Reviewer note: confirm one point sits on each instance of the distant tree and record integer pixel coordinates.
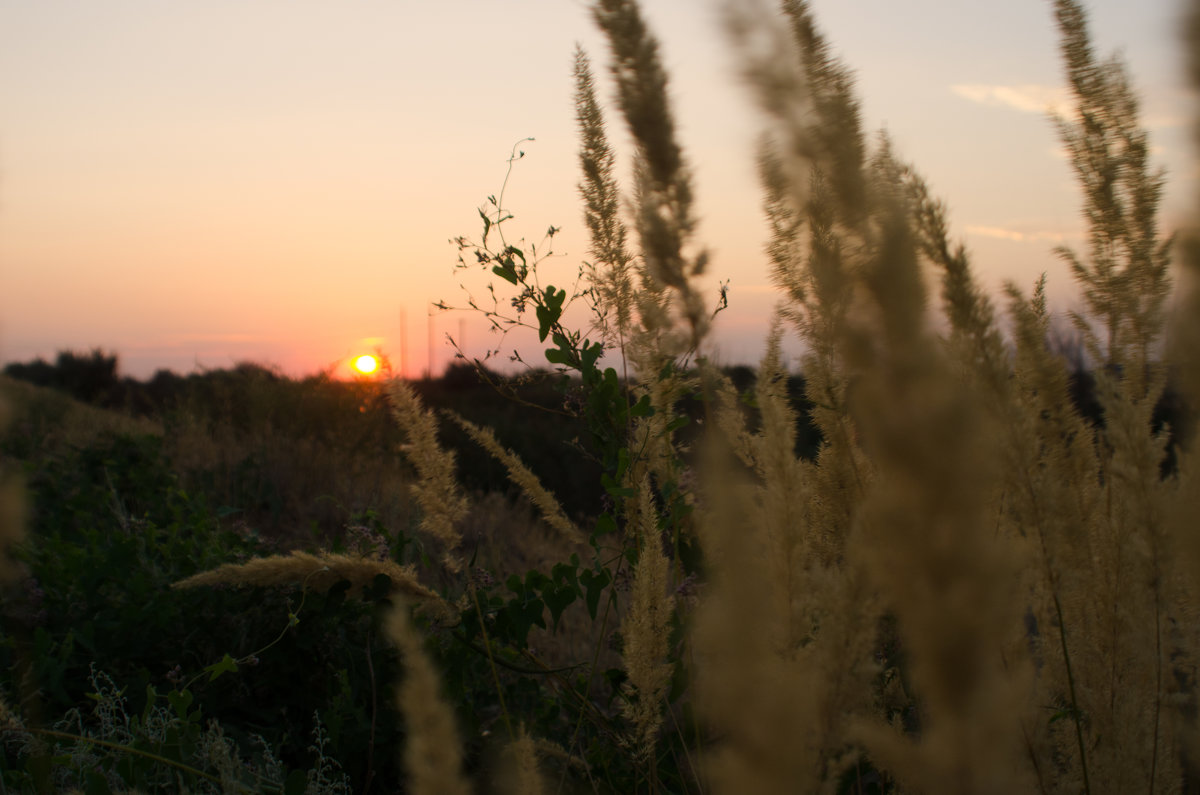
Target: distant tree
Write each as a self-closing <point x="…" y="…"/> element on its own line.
<point x="164" y="387"/>
<point x="38" y="372"/>
<point x="91" y="377"/>
<point x="461" y="375"/>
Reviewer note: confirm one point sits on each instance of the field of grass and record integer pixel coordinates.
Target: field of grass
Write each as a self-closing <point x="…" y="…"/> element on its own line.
<point x="227" y="466"/>
<point x="939" y="561"/>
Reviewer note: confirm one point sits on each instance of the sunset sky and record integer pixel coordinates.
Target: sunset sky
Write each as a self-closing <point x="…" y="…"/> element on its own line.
<point x="199" y="183"/>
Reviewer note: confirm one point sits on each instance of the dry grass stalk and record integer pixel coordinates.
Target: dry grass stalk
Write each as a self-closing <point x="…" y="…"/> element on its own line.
<point x="611" y="274"/>
<point x="764" y="713"/>
<point x="320" y="572"/>
<point x="519" y="773"/>
<point x="646" y="630"/>
<point x="928" y="542"/>
<point x="432" y="754"/>
<point x="437" y="490"/>
<point x="1125" y="279"/>
<point x="523" y="477"/>
<point x="814" y="616"/>
<point x="1022" y="552"/>
<point x="1185" y="349"/>
<point x="663" y="196"/>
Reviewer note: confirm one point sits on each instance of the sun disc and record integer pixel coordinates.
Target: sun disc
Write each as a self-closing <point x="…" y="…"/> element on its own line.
<point x="366" y="364"/>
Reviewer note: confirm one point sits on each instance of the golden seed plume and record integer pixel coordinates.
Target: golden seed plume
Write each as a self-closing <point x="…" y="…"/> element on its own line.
<point x="432" y="752"/>
<point x="522" y="476"/>
<point x="611" y="272"/>
<point x="663" y="194"/>
<point x="320" y="572"/>
<point x="436" y="489"/>
<point x="519" y="773"/>
<point x="646" y="630"/>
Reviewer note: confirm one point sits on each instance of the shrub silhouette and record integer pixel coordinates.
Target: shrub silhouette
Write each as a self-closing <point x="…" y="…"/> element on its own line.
<point x="90" y="377"/>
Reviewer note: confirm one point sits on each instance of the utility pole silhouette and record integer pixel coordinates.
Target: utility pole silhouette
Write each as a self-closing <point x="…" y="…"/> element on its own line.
<point x="429" y="342"/>
<point x="403" y="344"/>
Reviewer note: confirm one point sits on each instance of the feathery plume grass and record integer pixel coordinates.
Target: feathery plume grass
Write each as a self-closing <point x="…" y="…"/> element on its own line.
<point x="1185" y="344"/>
<point x="432" y="751"/>
<point x="611" y="272"/>
<point x="1051" y="500"/>
<point x="646" y="630"/>
<point x="519" y="774"/>
<point x="927" y="542"/>
<point x="975" y="340"/>
<point x="742" y="688"/>
<point x="321" y="572"/>
<point x="814" y="616"/>
<point x="437" y="491"/>
<point x="810" y="163"/>
<point x="664" y="217"/>
<point x="1090" y="499"/>
<point x="1126" y="281"/>
<point x="521" y="476"/>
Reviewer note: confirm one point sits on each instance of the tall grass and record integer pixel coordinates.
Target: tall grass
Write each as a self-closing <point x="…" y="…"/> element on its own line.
<point x="970" y="587"/>
<point x="960" y="508"/>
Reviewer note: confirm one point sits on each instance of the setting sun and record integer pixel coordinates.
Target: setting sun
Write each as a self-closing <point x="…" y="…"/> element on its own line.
<point x="366" y="364"/>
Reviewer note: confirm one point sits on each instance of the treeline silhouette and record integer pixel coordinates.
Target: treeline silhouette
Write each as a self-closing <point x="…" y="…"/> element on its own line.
<point x="265" y="410"/>
<point x="480" y="395"/>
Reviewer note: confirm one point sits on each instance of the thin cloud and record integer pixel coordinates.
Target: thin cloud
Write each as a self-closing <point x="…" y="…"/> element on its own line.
<point x="1040" y="99"/>
<point x="189" y="338"/>
<point x="1016" y="236"/>
<point x="1025" y="98"/>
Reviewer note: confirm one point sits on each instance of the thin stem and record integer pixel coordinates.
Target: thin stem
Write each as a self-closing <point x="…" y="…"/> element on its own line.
<point x="293" y="620"/>
<point x="487" y="647"/>
<point x="458" y="636"/>
<point x="1062" y="633"/>
<point x="162" y="760"/>
<point x="371" y="739"/>
<point x="608" y="603"/>
<point x="1037" y="769"/>
<point x="512" y="158"/>
<point x="1157" y="682"/>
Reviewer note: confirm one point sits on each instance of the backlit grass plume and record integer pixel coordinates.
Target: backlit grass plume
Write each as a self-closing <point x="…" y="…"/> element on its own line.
<point x="612" y="270"/>
<point x="519" y="774"/>
<point x="1185" y="343"/>
<point x="522" y="477"/>
<point x="647" y="630"/>
<point x="319" y="572"/>
<point x="664" y="215"/>
<point x="928" y="537"/>
<point x="431" y="751"/>
<point x="441" y="500"/>
<point x="1125" y="278"/>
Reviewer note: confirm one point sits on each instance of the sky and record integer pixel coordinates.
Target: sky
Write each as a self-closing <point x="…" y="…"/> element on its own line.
<point x="194" y="184"/>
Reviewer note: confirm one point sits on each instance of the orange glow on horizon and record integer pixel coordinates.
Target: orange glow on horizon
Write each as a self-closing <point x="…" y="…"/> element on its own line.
<point x="366" y="364"/>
